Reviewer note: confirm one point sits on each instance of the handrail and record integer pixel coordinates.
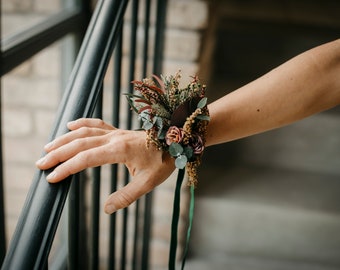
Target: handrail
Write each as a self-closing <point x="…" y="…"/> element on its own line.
<point x="38" y="221"/>
<point x="18" y="48"/>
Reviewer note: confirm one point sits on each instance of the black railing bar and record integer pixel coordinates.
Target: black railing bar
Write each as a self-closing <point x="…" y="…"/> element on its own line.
<point x="23" y="45"/>
<point x="95" y="198"/>
<point x="95" y="219"/>
<point x="159" y="36"/>
<point x="60" y="259"/>
<point x="145" y="240"/>
<point x="73" y="223"/>
<point x="39" y="218"/>
<point x="146" y="38"/>
<point x="133" y="48"/>
<point x="157" y="69"/>
<point x="135" y="259"/>
<point x="96" y="39"/>
<point x="131" y="75"/>
<point x="145" y="53"/>
<point x="117" y="77"/>
<point x="77" y="240"/>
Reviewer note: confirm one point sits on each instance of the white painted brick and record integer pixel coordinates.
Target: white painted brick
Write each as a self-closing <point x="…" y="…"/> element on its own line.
<point x="16" y="5"/>
<point x="182" y="45"/>
<point x="43" y="122"/>
<point x="17" y="122"/>
<point x="47" y="62"/>
<point x="187" y="14"/>
<point x="188" y="69"/>
<point x="47" y="6"/>
<point x="12" y="23"/>
<point x="18" y="176"/>
<point x="19" y="91"/>
<point x="22" y="150"/>
<point x="23" y="70"/>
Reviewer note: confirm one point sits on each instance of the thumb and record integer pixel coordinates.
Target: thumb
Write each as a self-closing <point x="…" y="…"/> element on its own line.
<point x="127" y="195"/>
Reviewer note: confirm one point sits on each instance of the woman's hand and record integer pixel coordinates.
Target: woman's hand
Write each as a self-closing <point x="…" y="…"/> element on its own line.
<point x="92" y="142"/>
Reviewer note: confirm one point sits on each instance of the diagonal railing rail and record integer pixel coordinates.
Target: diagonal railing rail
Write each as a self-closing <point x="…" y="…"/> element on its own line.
<point x="38" y="222"/>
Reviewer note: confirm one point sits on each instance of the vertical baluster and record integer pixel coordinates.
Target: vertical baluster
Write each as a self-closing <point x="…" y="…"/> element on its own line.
<point x="115" y="121"/>
<point x="133" y="38"/>
<point x="95" y="214"/>
<point x="77" y="224"/>
<point x="144" y="252"/>
<point x="159" y="36"/>
<point x="73" y="223"/>
<point x="157" y="68"/>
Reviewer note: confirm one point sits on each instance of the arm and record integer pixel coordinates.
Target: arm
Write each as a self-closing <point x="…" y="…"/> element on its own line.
<point x="305" y="85"/>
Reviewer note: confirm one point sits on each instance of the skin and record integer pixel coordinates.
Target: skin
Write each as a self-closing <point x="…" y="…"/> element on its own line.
<point x="305" y="85"/>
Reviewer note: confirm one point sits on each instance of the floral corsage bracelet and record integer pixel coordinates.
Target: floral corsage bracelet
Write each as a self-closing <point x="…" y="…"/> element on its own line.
<point x="174" y="119"/>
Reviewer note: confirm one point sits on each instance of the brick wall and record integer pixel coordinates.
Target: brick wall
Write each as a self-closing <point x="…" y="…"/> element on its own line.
<point x="31" y="93"/>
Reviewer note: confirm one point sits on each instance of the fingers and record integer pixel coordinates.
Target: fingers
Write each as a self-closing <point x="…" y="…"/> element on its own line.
<point x="82" y="132"/>
<point x="81" y="128"/>
<point x="92" y="157"/>
<point x="69" y="150"/>
<point x="89" y="122"/>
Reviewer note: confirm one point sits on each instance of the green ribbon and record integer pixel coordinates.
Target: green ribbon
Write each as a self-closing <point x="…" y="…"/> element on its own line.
<point x="175" y="219"/>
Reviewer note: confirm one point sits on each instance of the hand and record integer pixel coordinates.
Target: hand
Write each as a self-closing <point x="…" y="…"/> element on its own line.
<point x="92" y="142"/>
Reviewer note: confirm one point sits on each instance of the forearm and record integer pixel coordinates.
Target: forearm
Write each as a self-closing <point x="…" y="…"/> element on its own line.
<point x="305" y="85"/>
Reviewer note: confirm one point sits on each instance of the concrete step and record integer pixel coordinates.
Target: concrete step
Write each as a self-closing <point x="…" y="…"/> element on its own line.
<point x="268" y="214"/>
<point x="270" y="185"/>
<point x="228" y="227"/>
<point x="248" y="263"/>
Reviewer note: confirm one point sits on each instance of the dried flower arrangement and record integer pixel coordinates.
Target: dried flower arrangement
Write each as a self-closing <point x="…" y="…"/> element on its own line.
<point x="174" y="119"/>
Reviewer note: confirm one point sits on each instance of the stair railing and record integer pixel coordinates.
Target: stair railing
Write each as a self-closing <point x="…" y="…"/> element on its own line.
<point x="38" y="222"/>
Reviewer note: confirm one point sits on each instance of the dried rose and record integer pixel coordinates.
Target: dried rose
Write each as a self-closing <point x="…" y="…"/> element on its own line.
<point x="196" y="143"/>
<point x="174" y="135"/>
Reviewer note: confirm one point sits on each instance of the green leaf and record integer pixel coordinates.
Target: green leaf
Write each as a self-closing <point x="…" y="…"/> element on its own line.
<point x="131" y="104"/>
<point x="134" y="96"/>
<point x="203" y="117"/>
<point x="158" y="121"/>
<point x="147" y="125"/>
<point x="188" y="152"/>
<point x="181" y="161"/>
<point x="161" y="134"/>
<point x="202" y="103"/>
<point x="175" y="149"/>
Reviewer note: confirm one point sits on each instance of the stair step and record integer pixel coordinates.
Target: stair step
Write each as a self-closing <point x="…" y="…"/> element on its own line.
<point x="273" y="186"/>
<point x="246" y="263"/>
<point x="225" y="227"/>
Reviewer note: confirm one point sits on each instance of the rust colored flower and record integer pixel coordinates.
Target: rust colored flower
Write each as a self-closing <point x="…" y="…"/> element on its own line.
<point x="174" y="135"/>
<point x="197" y="144"/>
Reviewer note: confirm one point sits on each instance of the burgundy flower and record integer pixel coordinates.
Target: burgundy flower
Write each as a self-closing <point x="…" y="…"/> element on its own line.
<point x="196" y="143"/>
<point x="174" y="135"/>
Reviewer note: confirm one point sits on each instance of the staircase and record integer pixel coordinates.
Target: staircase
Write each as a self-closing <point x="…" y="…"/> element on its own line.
<point x="269" y="202"/>
<point x="278" y="210"/>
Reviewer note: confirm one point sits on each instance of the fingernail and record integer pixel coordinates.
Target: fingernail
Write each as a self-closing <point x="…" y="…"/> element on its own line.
<point x="49" y="145"/>
<point x="51" y="176"/>
<point x="40" y="161"/>
<point x="70" y="123"/>
<point x="110" y="209"/>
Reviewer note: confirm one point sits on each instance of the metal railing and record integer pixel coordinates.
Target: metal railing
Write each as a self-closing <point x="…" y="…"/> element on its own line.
<point x="38" y="222"/>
